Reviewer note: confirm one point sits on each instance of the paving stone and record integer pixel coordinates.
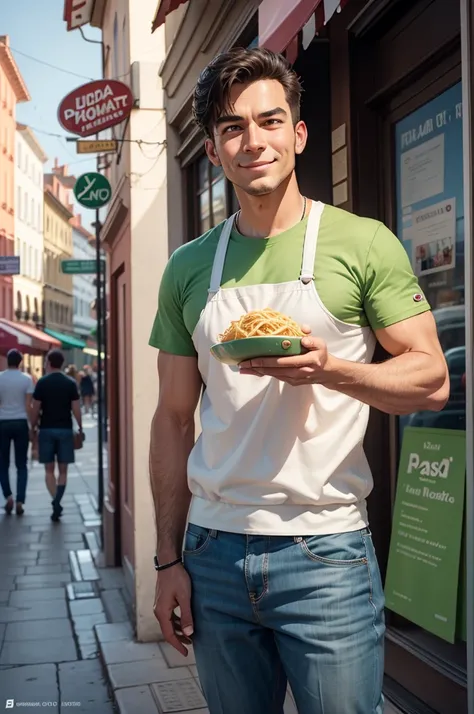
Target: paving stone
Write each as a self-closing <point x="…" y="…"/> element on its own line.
<point x="60" y="557"/>
<point x="130" y="674"/>
<point x="92" y="606"/>
<point x="38" y="630"/>
<point x="174" y="658"/>
<point x="21" y="560"/>
<point x="45" y="610"/>
<point x="111" y="578"/>
<point x="21" y="538"/>
<point x="136" y="699"/>
<point x="4" y="596"/>
<point x="86" y="564"/>
<point x="114" y="632"/>
<point x="36" y="683"/>
<point x="2" y="634"/>
<point x="86" y="637"/>
<point x="38" y="581"/>
<point x="39" y="651"/>
<point x="8" y="582"/>
<point x="114" y="606"/>
<point x="81" y="590"/>
<point x="20" y="597"/>
<point x="84" y="682"/>
<point x="12" y="570"/>
<point x="179" y="696"/>
<point x="89" y="651"/>
<point x="116" y="652"/>
<point x="43" y="569"/>
<point x="87" y="622"/>
<point x="194" y="671"/>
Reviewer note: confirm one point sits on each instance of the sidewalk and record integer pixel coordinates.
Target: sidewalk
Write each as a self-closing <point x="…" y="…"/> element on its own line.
<point x="50" y="597"/>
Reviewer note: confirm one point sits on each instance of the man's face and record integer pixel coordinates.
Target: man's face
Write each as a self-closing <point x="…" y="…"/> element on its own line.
<point x="256" y="144"/>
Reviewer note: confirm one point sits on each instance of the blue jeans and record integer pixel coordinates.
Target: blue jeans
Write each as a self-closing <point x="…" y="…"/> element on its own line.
<point x="269" y="610"/>
<point x="15" y="430"/>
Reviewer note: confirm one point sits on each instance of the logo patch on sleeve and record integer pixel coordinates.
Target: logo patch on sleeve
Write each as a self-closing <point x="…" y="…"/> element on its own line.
<point x="418" y="297"/>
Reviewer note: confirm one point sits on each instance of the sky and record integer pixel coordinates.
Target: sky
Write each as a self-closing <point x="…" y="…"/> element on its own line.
<point x="36" y="28"/>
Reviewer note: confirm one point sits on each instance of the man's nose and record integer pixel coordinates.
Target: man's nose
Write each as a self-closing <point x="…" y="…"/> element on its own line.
<point x="254" y="139"/>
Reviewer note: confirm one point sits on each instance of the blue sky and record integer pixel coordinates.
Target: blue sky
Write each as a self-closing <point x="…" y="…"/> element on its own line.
<point x="36" y="27"/>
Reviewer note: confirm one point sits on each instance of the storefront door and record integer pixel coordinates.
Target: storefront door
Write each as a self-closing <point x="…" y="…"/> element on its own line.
<point x="408" y="92"/>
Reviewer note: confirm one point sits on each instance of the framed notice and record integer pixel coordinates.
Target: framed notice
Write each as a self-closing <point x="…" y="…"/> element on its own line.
<point x="423" y="570"/>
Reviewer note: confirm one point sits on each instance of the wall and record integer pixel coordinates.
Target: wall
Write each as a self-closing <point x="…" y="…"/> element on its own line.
<point x="57" y="294"/>
<point x="7" y="185"/>
<point x="84" y="291"/>
<point x="149" y="254"/>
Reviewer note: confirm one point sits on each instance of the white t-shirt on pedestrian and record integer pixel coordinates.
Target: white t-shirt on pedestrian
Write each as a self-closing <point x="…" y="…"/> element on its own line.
<point x="14" y="386"/>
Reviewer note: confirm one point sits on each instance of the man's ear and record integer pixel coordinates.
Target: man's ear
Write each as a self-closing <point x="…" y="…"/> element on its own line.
<point x="301" y="137"/>
<point x="211" y="152"/>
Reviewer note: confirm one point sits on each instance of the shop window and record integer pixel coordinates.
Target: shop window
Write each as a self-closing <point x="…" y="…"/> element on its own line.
<point x="214" y="196"/>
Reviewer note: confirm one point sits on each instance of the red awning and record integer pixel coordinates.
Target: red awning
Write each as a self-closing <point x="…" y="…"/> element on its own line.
<point x="164" y="8"/>
<point x="280" y="21"/>
<point x="28" y="339"/>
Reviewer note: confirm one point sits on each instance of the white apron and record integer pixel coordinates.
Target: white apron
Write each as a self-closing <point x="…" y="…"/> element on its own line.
<point x="272" y="458"/>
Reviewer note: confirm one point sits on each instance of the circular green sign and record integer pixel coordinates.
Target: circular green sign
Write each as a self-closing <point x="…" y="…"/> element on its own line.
<point x="92" y="190"/>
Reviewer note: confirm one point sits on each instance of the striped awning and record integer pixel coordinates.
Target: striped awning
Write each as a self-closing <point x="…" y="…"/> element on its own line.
<point x="284" y="24"/>
<point x="28" y="339"/>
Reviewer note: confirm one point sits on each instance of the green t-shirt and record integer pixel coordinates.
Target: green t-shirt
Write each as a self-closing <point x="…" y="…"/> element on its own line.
<point x="362" y="274"/>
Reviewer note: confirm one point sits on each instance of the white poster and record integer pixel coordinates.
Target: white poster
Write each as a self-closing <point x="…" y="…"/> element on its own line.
<point x="422" y="171"/>
<point x="433" y="234"/>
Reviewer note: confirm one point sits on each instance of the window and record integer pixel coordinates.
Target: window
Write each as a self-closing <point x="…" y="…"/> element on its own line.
<point x="213" y="195"/>
<point x="26" y="164"/>
<point x="30" y="263"/>
<point x="32" y="217"/>
<point x="25" y="208"/>
<point x="115" y="48"/>
<point x="38" y="221"/>
<point x="18" y="201"/>
<point x="18" y="158"/>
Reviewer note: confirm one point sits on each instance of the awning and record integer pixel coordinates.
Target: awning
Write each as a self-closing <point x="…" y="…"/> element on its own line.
<point x="29" y="340"/>
<point x="280" y="21"/>
<point x="164" y="8"/>
<point x="68" y="342"/>
<point x="93" y="352"/>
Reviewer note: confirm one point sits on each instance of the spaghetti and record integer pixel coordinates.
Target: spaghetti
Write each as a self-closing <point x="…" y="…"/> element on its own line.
<point x="261" y="323"/>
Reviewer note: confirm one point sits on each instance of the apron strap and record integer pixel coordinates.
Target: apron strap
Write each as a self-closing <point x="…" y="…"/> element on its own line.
<point x="310" y="242"/>
<point x="219" y="258"/>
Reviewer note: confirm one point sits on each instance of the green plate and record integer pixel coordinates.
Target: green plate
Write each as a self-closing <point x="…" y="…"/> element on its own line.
<point x="236" y="351"/>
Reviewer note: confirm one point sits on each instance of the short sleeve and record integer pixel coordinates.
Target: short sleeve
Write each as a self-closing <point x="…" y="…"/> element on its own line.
<point x="38" y="392"/>
<point x="392" y="292"/>
<point x="31" y="387"/>
<point x="169" y="332"/>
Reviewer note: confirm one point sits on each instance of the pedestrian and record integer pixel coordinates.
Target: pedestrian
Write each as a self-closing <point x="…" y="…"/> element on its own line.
<point x="55" y="402"/>
<point x="87" y="388"/>
<point x="278" y="579"/>
<point x="16" y="389"/>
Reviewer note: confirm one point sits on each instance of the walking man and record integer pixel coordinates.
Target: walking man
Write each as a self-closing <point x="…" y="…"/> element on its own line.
<point x="278" y="579"/>
<point x="55" y="401"/>
<point x="16" y="389"/>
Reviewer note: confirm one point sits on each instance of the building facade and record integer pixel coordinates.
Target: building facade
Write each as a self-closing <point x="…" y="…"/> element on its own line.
<point x="57" y="291"/>
<point x="29" y="243"/>
<point x="12" y="91"/>
<point x="83" y="287"/>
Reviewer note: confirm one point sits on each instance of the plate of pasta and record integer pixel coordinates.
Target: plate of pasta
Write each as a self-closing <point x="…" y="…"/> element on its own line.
<point x="259" y="333"/>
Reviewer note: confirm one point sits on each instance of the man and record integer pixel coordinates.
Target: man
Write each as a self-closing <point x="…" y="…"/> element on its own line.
<point x="55" y="401"/>
<point x="280" y="580"/>
<point x="16" y="389"/>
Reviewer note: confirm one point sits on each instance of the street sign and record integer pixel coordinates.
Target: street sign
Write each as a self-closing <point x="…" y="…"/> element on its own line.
<point x="96" y="146"/>
<point x="76" y="267"/>
<point x="9" y="264"/>
<point x="78" y="13"/>
<point x="92" y="190"/>
<point x="95" y="106"/>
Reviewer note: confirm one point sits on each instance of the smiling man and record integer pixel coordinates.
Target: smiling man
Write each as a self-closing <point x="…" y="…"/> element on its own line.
<point x="278" y="580"/>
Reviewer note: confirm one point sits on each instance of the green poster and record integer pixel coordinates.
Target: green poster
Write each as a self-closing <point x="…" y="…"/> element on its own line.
<point x="423" y="566"/>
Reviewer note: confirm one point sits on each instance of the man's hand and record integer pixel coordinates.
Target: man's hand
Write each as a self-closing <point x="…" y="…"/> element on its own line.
<point x="173" y="589"/>
<point x="308" y="368"/>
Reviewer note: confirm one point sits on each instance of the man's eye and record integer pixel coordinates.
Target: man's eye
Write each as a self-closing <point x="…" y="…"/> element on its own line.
<point x="232" y="127"/>
<point x="273" y="121"/>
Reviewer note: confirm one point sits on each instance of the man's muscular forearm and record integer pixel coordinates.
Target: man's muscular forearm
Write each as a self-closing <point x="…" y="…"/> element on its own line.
<point x="171" y="444"/>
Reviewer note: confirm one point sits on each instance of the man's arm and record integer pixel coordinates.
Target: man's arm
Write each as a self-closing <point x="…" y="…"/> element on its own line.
<point x="172" y="438"/>
<point x="76" y="410"/>
<point x="34" y="413"/>
<point x="414" y="379"/>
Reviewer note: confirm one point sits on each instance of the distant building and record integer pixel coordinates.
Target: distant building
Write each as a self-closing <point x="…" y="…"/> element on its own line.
<point x="83" y="286"/>
<point x="29" y="242"/>
<point x="12" y="90"/>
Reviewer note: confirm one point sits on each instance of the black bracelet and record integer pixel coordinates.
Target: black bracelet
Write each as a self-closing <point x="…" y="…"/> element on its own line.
<point x="167" y="565"/>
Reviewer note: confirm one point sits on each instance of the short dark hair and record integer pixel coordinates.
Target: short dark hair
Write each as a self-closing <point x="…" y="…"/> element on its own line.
<point x="56" y="359"/>
<point x="241" y="66"/>
<point x="14" y="358"/>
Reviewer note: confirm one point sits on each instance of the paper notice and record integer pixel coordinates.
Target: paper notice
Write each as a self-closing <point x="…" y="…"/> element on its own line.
<point x="422" y="171"/>
<point x="433" y="234"/>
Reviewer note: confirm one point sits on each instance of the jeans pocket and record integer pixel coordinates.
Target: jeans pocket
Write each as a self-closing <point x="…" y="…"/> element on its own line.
<point x="337" y="549"/>
<point x="196" y="540"/>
